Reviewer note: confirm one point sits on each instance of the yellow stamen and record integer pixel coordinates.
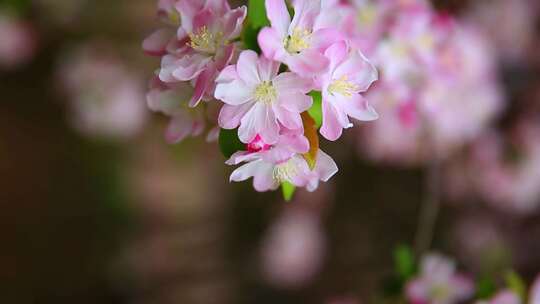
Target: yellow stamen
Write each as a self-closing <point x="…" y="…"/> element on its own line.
<point x="205" y="41"/>
<point x="265" y="93"/>
<point x="342" y="86"/>
<point x="284" y="172"/>
<point x="367" y="15"/>
<point x="297" y="41"/>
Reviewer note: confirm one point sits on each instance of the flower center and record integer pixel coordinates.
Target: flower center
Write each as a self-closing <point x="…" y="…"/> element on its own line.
<point x="367" y="16"/>
<point x="205" y="41"/>
<point x="297" y="41"/>
<point x="284" y="172"/>
<point x="439" y="292"/>
<point x="342" y="86"/>
<point x="265" y="92"/>
<point x="257" y="145"/>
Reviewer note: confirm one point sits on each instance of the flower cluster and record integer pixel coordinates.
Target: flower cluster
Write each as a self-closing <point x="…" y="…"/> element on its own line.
<point x="265" y="97"/>
<point x="502" y="169"/>
<point x="19" y="41"/>
<point x="437" y="89"/>
<point x="439" y="283"/>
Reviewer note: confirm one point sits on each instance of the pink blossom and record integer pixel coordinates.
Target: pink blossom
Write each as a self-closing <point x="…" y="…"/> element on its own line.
<point x="512" y="40"/>
<point x="283" y="162"/>
<point x="349" y="73"/>
<point x="504" y="297"/>
<point x="510" y="297"/>
<point x="294" y="248"/>
<point x="437" y="91"/>
<point x="202" y="46"/>
<point x="298" y="43"/>
<point x="172" y="100"/>
<point x="438" y="283"/>
<point x="507" y="182"/>
<point x="534" y="294"/>
<point x="257" y="98"/>
<point x="106" y="96"/>
<point x="19" y="42"/>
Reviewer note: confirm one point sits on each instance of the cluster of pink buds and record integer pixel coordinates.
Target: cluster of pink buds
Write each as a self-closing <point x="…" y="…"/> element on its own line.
<point x="309" y="74"/>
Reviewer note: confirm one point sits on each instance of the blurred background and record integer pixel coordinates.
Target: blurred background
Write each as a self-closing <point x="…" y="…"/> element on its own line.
<point x="98" y="208"/>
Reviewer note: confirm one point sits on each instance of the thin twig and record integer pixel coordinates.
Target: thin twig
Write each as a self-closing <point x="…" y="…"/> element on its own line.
<point x="429" y="210"/>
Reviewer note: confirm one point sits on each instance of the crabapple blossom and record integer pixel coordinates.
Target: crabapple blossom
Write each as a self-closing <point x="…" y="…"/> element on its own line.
<point x="298" y="43"/>
<point x="258" y="99"/>
<point x="510" y="297"/>
<point x="172" y="100"/>
<point x="438" y="283"/>
<point x="294" y="248"/>
<point x="349" y="73"/>
<point x="202" y="46"/>
<point x="503" y="297"/>
<point x="504" y="170"/>
<point x="19" y="41"/>
<point x="437" y="91"/>
<point x="106" y="99"/>
<point x="270" y="166"/>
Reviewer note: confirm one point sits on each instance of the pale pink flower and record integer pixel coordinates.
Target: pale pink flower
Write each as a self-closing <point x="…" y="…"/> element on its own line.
<point x="439" y="283"/>
<point x="172" y="100"/>
<point x="363" y="21"/>
<point x="297" y="43"/>
<point x="534" y="294"/>
<point x="106" y="96"/>
<point x="349" y="74"/>
<point x="270" y="166"/>
<point x="293" y="249"/>
<point x="504" y="297"/>
<point x="439" y="90"/>
<point x="511" y="41"/>
<point x="507" y="183"/>
<point x="510" y="297"/>
<point x="202" y="46"/>
<point x="19" y="42"/>
<point x="257" y="98"/>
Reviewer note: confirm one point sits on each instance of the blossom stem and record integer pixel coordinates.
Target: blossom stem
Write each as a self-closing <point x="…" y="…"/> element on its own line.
<point x="429" y="209"/>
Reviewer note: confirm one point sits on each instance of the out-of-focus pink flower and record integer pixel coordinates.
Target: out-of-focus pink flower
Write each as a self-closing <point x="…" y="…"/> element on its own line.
<point x="510" y="297"/>
<point x="349" y="74"/>
<point x="297" y="43"/>
<point x="172" y="100"/>
<point x="439" y="283"/>
<point x="19" y="42"/>
<point x="512" y="40"/>
<point x="257" y="98"/>
<point x="505" y="171"/>
<point x="534" y="294"/>
<point x="437" y="89"/>
<point x="270" y="166"/>
<point x="503" y="297"/>
<point x="294" y="249"/>
<point x="106" y="97"/>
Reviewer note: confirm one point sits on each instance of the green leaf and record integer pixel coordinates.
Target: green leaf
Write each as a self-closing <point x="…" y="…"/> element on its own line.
<point x="257" y="14"/>
<point x="485" y="288"/>
<point x="516" y="284"/>
<point x="229" y="142"/>
<point x="404" y="262"/>
<point x="249" y="38"/>
<point x="288" y="190"/>
<point x="316" y="109"/>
